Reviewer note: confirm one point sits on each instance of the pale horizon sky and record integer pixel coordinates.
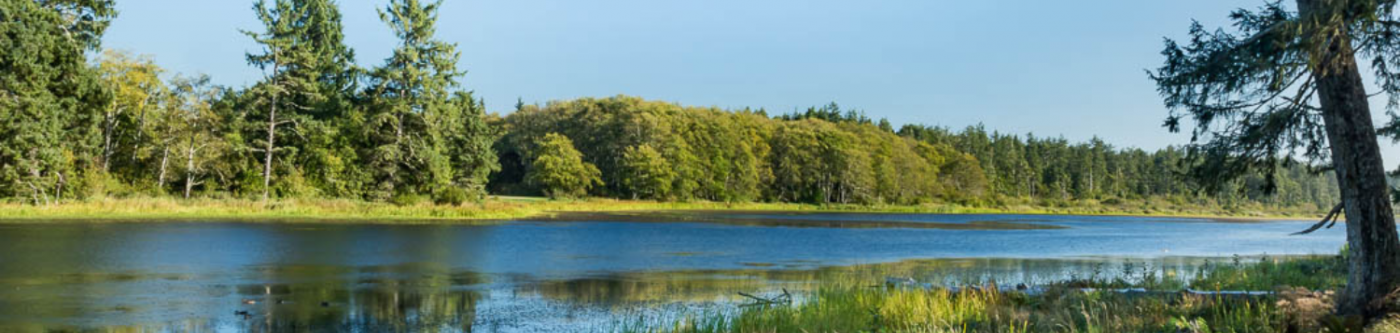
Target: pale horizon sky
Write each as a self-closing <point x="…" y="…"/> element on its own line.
<point x="1054" y="68"/>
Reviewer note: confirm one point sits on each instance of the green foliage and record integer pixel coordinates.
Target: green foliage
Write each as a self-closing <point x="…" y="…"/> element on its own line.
<point x="559" y="169"/>
<point x="831" y="156"/>
<point x="646" y="173"/>
<point x="308" y="129"/>
<point x="1316" y="273"/>
<point x="280" y="100"/>
<point x="50" y="99"/>
<point x="851" y="305"/>
<point x="453" y="196"/>
<point x="844" y="308"/>
<point x="422" y="138"/>
<point x="718" y="155"/>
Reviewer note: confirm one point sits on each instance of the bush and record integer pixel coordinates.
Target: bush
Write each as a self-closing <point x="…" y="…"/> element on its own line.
<point x="406" y="199"/>
<point x="454" y="196"/>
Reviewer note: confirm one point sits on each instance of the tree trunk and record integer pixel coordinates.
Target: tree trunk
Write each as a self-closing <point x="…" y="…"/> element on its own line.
<point x="267" y="157"/>
<point x="164" y="160"/>
<point x="189" y="170"/>
<point x="1371" y="234"/>
<point x="109" y="125"/>
<point x="271" y="136"/>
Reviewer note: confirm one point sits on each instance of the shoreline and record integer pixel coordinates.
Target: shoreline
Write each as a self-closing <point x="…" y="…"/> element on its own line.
<point x="504" y="209"/>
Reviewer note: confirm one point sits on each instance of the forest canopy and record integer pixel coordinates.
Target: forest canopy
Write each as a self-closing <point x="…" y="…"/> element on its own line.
<point x="81" y="122"/>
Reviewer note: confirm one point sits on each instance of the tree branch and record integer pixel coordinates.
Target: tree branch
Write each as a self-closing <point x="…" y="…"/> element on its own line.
<point x="1331" y="217"/>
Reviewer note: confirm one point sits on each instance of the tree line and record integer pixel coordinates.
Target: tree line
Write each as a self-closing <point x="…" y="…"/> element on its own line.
<point x="317" y="125"/>
<point x="658" y="150"/>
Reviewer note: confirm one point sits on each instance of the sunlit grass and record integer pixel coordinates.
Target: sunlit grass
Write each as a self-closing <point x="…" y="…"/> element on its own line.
<point x="504" y="208"/>
<point x="852" y="306"/>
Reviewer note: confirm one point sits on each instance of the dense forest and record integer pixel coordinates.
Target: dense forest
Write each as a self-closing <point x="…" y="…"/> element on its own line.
<point x="80" y="122"/>
<point x="657" y="150"/>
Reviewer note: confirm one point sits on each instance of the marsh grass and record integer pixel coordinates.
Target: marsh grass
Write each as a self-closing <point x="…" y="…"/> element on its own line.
<point x="1312" y="272"/>
<point x="853" y="306"/>
<point x="506" y="208"/>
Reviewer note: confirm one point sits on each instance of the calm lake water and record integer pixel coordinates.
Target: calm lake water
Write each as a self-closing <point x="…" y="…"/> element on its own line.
<point x="581" y="273"/>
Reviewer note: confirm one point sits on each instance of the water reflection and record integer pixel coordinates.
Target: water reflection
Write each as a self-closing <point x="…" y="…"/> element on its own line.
<point x="548" y="276"/>
<point x="426" y="303"/>
<point x="432" y="298"/>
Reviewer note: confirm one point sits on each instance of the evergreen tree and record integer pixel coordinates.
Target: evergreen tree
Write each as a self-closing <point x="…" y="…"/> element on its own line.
<point x="468" y="139"/>
<point x="1287" y="83"/>
<point x="409" y="101"/>
<point x="50" y="99"/>
<point x="288" y="89"/>
<point x="331" y="131"/>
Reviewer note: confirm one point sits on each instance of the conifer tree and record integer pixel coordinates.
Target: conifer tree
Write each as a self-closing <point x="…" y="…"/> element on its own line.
<point x="409" y="105"/>
<point x="50" y="99"/>
<point x="1287" y="83"/>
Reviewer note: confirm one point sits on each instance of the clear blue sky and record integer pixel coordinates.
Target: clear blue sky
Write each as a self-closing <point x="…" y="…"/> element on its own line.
<point x="1071" y="68"/>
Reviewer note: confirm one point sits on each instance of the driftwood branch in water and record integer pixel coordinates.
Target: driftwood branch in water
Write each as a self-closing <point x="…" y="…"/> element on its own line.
<point x="1331" y="217"/>
<point x="785" y="298"/>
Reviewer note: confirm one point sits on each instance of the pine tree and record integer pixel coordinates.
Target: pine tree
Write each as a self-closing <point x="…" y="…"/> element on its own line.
<point x="1287" y="83"/>
<point x="409" y="99"/>
<point x="50" y="99"/>
<point x="284" y="95"/>
<point x="331" y="132"/>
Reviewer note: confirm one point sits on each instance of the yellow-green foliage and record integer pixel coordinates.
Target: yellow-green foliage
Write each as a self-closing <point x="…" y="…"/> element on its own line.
<point x="863" y="309"/>
<point x="495" y="208"/>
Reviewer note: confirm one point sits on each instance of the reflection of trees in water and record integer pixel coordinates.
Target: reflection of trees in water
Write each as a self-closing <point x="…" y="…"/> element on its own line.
<point x="644" y="287"/>
<point x="718" y="285"/>
<point x="393" y="298"/>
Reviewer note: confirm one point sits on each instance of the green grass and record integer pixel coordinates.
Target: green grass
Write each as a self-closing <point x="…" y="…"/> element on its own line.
<point x="852" y="306"/>
<point x="505" y="208"/>
<point x="1315" y="273"/>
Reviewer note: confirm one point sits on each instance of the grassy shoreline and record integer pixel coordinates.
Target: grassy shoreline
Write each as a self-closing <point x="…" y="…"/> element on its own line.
<point x="499" y="209"/>
<point x="1299" y="298"/>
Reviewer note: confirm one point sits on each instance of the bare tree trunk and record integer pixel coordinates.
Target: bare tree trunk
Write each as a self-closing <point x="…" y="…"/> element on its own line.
<point x="38" y="191"/>
<point x="271" y="137"/>
<point x="164" y="161"/>
<point x="1371" y="234"/>
<point x="109" y="126"/>
<point x="189" y="170"/>
<point x="267" y="157"/>
<point x="140" y="128"/>
<point x="58" y="191"/>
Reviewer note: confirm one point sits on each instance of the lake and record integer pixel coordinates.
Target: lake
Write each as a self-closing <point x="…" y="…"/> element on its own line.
<point x="574" y="272"/>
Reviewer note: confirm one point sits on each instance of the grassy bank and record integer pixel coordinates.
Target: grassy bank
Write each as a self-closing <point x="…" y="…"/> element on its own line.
<point x="505" y="208"/>
<point x="1302" y="302"/>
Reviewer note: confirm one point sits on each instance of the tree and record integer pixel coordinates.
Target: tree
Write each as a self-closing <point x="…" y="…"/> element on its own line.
<point x="50" y="99"/>
<point x="330" y="132"/>
<point x="409" y="103"/>
<point x="469" y="140"/>
<point x="136" y="87"/>
<point x="284" y="88"/>
<point x="559" y="168"/>
<point x="646" y="173"/>
<point x="1287" y="83"/>
<point x="197" y="127"/>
